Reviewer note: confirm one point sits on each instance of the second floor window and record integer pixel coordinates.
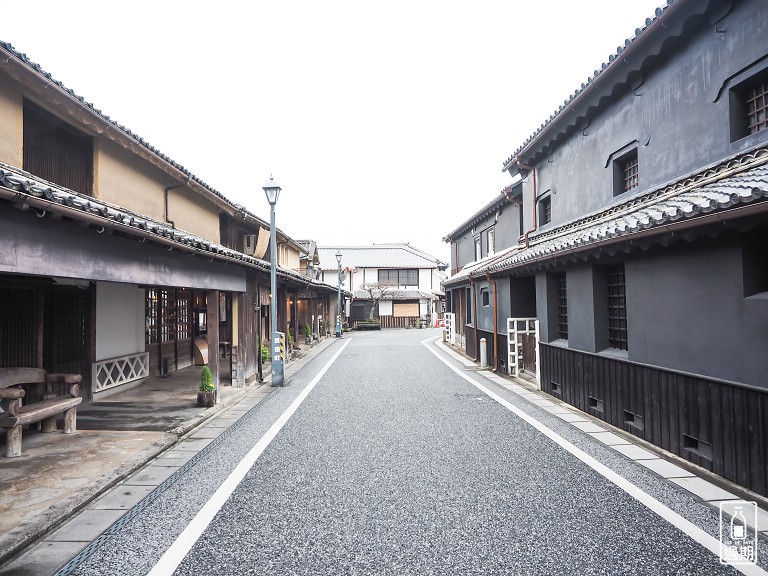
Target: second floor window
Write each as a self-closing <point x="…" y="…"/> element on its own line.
<point x="630" y="168"/>
<point x="626" y="173"/>
<point x="55" y="151"/>
<point x="491" y="241"/>
<point x="405" y="277"/>
<point x="757" y="107"/>
<point x="545" y="210"/>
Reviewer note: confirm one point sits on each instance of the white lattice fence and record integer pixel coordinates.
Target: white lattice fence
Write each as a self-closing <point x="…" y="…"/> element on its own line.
<point x="450" y="326"/>
<point x="515" y="328"/>
<point x="116" y="371"/>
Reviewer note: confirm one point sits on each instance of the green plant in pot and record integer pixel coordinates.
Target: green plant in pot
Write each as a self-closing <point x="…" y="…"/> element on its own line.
<point x="206" y="394"/>
<point x="308" y="333"/>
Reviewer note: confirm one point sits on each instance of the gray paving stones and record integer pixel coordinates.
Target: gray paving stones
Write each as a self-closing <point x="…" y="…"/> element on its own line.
<point x="729" y="507"/>
<point x="571" y="417"/>
<point x="86" y="526"/>
<point x="588" y="427"/>
<point x="609" y="438"/>
<point x="122" y="497"/>
<point x="634" y="452"/>
<point x="703" y="489"/>
<point x="665" y="468"/>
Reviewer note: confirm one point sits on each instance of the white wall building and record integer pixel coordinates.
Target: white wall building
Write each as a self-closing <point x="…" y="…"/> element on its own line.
<point x="414" y="275"/>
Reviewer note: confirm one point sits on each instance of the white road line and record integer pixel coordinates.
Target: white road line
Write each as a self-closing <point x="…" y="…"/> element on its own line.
<point x="689" y="528"/>
<point x="183" y="544"/>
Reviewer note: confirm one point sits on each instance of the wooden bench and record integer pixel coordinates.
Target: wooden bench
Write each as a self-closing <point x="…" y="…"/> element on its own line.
<point x="15" y="414"/>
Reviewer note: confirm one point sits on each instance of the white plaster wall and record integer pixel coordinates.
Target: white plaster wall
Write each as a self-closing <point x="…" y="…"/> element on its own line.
<point x="119" y="320"/>
<point x="423" y="308"/>
<point x="385" y="308"/>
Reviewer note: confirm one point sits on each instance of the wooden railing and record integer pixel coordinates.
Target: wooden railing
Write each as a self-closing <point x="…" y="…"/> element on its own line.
<point x="116" y="371"/>
<point x="720" y="426"/>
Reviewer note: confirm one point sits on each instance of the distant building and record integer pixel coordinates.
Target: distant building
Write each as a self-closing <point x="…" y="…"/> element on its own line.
<point x="410" y="277"/>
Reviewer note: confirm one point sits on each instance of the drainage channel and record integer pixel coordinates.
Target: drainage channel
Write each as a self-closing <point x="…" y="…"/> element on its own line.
<point x="84" y="554"/>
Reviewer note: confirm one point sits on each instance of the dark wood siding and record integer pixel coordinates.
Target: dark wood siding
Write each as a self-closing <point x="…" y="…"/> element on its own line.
<point x="720" y="426"/>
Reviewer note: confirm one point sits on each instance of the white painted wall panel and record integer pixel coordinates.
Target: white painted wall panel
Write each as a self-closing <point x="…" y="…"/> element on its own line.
<point x="119" y="320"/>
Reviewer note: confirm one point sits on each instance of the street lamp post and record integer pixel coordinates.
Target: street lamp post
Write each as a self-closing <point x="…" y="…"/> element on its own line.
<point x="272" y="190"/>
<point x="338" y="302"/>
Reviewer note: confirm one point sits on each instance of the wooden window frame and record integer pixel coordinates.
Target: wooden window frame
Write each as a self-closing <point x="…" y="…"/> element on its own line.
<point x="562" y="306"/>
<point x="616" y="290"/>
<point x="626" y="172"/>
<point x="757" y="106"/>
<point x="545" y="210"/>
<point x="56" y="151"/>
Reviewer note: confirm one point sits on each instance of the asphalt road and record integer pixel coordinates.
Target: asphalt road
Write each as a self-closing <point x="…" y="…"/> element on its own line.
<point x="395" y="464"/>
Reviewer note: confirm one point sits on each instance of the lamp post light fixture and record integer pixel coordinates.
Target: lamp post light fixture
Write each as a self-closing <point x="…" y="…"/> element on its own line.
<point x="338" y="302"/>
<point x="272" y="190"/>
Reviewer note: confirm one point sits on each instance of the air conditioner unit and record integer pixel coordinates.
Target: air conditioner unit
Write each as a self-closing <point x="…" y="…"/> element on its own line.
<point x="249" y="244"/>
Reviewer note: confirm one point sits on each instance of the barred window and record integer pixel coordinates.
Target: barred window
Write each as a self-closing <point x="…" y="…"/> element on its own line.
<point x="757" y="107"/>
<point x="545" y="210"/>
<point x="626" y="172"/>
<point x="55" y="151"/>
<point x="617" y="307"/>
<point x="630" y="172"/>
<point x="562" y="307"/>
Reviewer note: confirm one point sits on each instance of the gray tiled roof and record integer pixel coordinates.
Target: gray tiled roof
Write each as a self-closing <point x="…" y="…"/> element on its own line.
<point x="46" y="196"/>
<point x="733" y="184"/>
<point x="479" y="266"/>
<point x="81" y="102"/>
<point x="377" y="256"/>
<point x="400" y="294"/>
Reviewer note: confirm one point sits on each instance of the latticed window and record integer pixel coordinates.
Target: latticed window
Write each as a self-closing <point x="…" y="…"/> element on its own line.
<point x="168" y="315"/>
<point x="183" y="329"/>
<point x="407" y="277"/>
<point x="546" y="210"/>
<point x="151" y="316"/>
<point x="617" y="307"/>
<point x="631" y="176"/>
<point x="56" y="151"/>
<point x="757" y="107"/>
<point x="562" y="307"/>
<point x="491" y="241"/>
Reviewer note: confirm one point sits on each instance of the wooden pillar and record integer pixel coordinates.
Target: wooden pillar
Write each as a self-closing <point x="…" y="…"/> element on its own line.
<point x="213" y="338"/>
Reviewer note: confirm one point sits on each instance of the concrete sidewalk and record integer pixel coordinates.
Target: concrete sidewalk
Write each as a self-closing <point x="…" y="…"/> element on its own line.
<point x="58" y="475"/>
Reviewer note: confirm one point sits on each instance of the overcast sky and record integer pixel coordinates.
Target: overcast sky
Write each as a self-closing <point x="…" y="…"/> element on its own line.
<point x="382" y="121"/>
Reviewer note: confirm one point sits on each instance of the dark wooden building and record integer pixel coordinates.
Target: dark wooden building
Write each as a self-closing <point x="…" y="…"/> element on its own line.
<point x="645" y="233"/>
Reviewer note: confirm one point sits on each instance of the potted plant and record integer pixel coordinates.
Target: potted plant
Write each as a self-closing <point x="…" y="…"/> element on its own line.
<point x="308" y="334"/>
<point x="206" y="395"/>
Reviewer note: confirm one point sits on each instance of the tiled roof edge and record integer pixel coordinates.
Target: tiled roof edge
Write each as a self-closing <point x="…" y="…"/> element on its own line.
<point x="29" y="188"/>
<point x="35" y="67"/>
<point x="590" y="82"/>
